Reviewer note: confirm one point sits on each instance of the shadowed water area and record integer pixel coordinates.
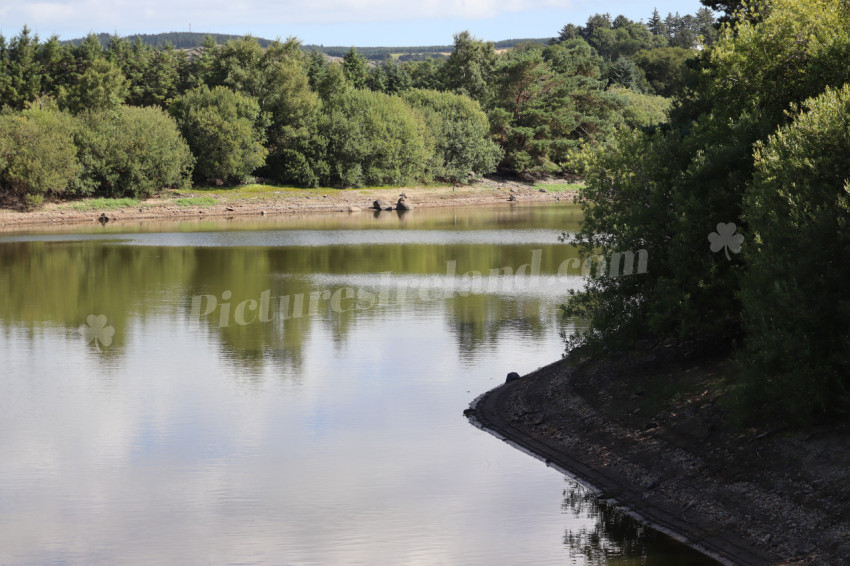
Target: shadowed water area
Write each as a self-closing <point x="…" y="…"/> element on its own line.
<point x="288" y="391"/>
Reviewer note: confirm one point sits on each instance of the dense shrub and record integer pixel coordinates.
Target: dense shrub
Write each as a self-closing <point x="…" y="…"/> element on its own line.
<point x="222" y="128"/>
<point x="372" y="139"/>
<point x="131" y="152"/>
<point x="460" y="132"/>
<point x="795" y="294"/>
<point x="664" y="68"/>
<point x="666" y="191"/>
<point x="37" y="152"/>
<point x="640" y="110"/>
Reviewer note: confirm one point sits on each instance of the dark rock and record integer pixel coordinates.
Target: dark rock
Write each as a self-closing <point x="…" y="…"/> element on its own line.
<point x="381" y="204"/>
<point x="402" y="204"/>
<point x="513" y="376"/>
<point x="512" y="198"/>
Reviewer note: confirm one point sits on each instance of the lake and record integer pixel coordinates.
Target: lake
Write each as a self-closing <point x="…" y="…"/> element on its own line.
<point x="288" y="391"/>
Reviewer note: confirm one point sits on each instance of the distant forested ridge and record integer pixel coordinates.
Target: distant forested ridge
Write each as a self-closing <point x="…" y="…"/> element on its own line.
<point x="194" y="40"/>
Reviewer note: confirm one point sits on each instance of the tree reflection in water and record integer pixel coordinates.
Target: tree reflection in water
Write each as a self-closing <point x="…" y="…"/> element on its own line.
<point x="615" y="538"/>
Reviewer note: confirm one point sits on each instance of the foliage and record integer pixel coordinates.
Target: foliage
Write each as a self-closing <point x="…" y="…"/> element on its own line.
<point x="665" y="190"/>
<point x="37" y="153"/>
<point x="355" y="68"/>
<point x="548" y="99"/>
<point x="641" y="110"/>
<point x="222" y="129"/>
<point x="131" y="152"/>
<point x="470" y="67"/>
<point x="371" y="139"/>
<point x="795" y="295"/>
<point x="101" y="87"/>
<point x="665" y="69"/>
<point x="459" y="130"/>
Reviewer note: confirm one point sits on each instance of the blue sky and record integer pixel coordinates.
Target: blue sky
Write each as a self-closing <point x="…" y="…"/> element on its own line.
<point x="327" y="22"/>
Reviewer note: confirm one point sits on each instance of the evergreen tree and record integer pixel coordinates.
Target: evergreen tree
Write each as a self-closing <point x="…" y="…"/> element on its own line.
<point x="656" y="24"/>
<point x="24" y="70"/>
<point x="469" y="68"/>
<point x="356" y="69"/>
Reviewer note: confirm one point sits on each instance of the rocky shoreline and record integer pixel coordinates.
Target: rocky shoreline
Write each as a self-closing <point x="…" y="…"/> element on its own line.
<point x="741" y="496"/>
<point x="166" y="206"/>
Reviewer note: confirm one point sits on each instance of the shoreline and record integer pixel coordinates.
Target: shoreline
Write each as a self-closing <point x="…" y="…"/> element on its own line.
<point x="272" y="201"/>
<point x="707" y="491"/>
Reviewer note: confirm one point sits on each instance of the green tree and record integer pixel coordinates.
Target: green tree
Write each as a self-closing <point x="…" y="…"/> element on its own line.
<point x="221" y="128"/>
<point x="640" y="110"/>
<point x="23" y="69"/>
<point x="101" y="87"/>
<point x="317" y="65"/>
<point x="355" y="67"/>
<point x="706" y="26"/>
<point x="377" y="79"/>
<point x="53" y="58"/>
<point x="462" y="147"/>
<point x="665" y="68"/>
<point x="398" y="79"/>
<point x="37" y="152"/>
<point x="469" y="69"/>
<point x="795" y="296"/>
<point x="292" y="121"/>
<point x="426" y="74"/>
<point x="372" y="139"/>
<point x="548" y="100"/>
<point x="199" y="66"/>
<point x="656" y="24"/>
<point x="665" y="190"/>
<point x="626" y="74"/>
<point x="131" y="152"/>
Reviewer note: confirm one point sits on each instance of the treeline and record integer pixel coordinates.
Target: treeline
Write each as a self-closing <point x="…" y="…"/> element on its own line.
<point x="230" y="111"/>
<point x="176" y="39"/>
<point x="753" y="160"/>
<point x="190" y="40"/>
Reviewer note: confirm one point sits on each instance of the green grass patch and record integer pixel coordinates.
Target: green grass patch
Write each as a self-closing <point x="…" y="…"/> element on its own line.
<point x="195" y="201"/>
<point x="561" y="187"/>
<point x="102" y="204"/>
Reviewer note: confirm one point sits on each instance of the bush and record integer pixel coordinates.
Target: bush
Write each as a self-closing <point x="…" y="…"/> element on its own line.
<point x="37" y="153"/>
<point x="665" y="68"/>
<point x="224" y="132"/>
<point x="372" y="139"/>
<point x="641" y="110"/>
<point x="32" y="202"/>
<point x="460" y="132"/>
<point x="131" y="152"/>
<point x="795" y="295"/>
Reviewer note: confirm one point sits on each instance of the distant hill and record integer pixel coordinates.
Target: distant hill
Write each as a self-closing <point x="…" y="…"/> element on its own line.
<point x="192" y="40"/>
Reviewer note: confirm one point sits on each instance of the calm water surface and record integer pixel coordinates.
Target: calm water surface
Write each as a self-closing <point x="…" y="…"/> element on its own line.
<point x="167" y="398"/>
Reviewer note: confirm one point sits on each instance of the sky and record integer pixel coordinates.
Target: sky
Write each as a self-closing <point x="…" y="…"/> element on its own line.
<point x="324" y="22"/>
